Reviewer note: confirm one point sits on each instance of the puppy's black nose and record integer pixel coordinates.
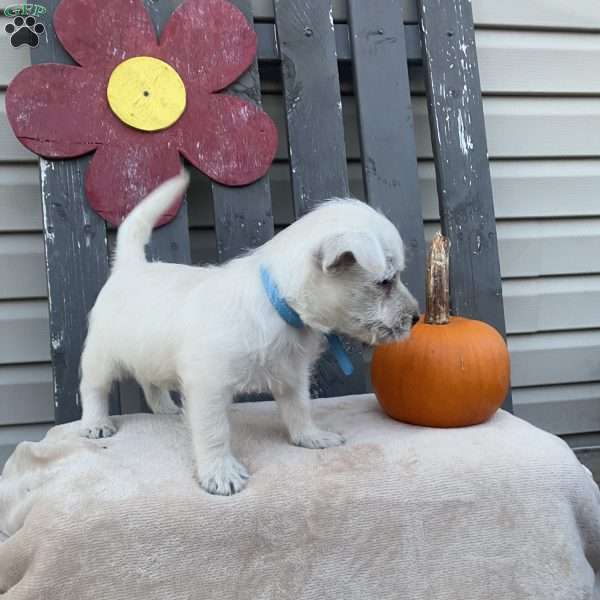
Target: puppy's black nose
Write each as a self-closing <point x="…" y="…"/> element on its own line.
<point x="415" y="319"/>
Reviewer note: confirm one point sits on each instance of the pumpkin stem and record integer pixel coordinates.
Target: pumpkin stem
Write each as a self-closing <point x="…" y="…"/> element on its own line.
<point x="437" y="310"/>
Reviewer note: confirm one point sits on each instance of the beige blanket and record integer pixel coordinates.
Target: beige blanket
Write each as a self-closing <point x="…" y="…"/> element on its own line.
<point x="501" y="511"/>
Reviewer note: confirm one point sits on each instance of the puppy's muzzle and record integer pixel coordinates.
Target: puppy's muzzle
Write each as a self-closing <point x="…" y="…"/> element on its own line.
<point x="384" y="334"/>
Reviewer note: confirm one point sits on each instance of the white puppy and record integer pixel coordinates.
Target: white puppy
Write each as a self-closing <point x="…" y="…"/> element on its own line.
<point x="216" y="331"/>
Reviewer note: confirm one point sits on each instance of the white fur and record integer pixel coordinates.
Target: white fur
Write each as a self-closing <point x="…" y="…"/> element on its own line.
<point x="211" y="332"/>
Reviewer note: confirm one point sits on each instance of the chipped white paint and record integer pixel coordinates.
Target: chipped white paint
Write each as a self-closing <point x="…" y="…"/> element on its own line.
<point x="44" y="167"/>
<point x="464" y="139"/>
<point x="56" y="340"/>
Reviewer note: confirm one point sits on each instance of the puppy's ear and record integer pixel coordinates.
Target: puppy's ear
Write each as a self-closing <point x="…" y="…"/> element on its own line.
<point x="344" y="250"/>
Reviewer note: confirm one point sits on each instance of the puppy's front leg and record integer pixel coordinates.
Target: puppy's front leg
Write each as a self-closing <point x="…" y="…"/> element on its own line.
<point x="218" y="471"/>
<point x="294" y="406"/>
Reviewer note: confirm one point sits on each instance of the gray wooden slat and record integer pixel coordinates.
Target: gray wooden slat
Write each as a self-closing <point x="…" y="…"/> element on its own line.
<point x="243" y="216"/>
<point x="460" y="151"/>
<point x="263" y="9"/>
<point x="313" y="105"/>
<point x="387" y="135"/>
<point x="169" y="243"/>
<point x="269" y="49"/>
<point x="315" y="127"/>
<point x="76" y="256"/>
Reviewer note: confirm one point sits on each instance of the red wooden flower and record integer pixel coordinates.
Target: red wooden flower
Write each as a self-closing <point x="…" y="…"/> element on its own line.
<point x="139" y="102"/>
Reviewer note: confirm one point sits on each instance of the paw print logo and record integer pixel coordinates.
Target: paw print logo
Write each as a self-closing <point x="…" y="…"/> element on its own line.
<point x="24" y="31"/>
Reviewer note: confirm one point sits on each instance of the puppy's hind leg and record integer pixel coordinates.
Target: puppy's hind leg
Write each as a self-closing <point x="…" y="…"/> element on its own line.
<point x="96" y="379"/>
<point x="160" y="401"/>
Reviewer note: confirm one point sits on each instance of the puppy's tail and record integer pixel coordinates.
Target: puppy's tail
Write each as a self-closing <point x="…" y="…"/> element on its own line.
<point x="135" y="231"/>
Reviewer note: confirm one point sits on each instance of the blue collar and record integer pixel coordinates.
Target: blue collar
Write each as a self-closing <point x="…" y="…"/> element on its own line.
<point x="292" y="318"/>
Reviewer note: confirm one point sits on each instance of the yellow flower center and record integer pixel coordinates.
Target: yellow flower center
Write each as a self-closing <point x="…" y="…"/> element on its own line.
<point x="146" y="93"/>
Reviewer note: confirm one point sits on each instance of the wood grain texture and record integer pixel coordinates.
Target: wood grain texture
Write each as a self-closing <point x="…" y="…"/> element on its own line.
<point x="317" y="151"/>
<point x="76" y="257"/>
<point x="243" y="216"/>
<point x="269" y="49"/>
<point x="462" y="168"/>
<point x="313" y="107"/>
<point x="389" y="156"/>
<point x="460" y="153"/>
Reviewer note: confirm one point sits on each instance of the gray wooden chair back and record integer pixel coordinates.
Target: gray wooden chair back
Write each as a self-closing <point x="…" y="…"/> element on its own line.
<point x="308" y="51"/>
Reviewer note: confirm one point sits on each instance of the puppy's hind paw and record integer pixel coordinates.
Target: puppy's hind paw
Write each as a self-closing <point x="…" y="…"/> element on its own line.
<point x="317" y="438"/>
<point x="101" y="429"/>
<point x="224" y="477"/>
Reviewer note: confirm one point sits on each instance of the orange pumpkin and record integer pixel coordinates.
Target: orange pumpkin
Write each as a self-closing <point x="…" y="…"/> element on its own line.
<point x="451" y="371"/>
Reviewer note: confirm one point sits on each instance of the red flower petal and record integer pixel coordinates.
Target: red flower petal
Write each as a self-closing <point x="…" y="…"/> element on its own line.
<point x="120" y="176"/>
<point x="104" y="32"/>
<point x="208" y="42"/>
<point x="58" y="111"/>
<point x="229" y="139"/>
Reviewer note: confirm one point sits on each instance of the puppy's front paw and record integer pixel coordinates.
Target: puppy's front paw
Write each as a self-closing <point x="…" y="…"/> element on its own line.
<point x="317" y="438"/>
<point x="224" y="477"/>
<point x="100" y="429"/>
